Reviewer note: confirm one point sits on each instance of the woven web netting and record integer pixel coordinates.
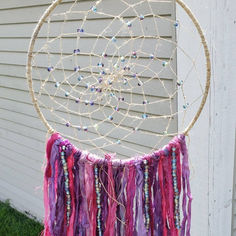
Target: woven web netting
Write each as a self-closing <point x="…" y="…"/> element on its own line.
<point x="105" y="74"/>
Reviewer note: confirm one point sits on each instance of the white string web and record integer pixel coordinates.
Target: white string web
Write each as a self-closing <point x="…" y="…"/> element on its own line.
<point x="105" y="74"/>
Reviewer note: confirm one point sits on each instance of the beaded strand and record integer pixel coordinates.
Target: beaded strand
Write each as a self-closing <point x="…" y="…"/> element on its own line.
<point x="146" y="196"/>
<point x="68" y="197"/>
<point x="98" y="200"/>
<point x="176" y="190"/>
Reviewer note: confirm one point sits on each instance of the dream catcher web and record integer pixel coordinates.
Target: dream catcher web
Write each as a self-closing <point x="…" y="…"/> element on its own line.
<point x="103" y="75"/>
<point x="113" y="84"/>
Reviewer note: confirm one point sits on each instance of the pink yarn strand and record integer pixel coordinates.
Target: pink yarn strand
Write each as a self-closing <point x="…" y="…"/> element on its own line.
<point x="70" y="164"/>
<point x="130" y="190"/>
<point x="90" y="196"/>
<point x="112" y="205"/>
<point x="47" y="174"/>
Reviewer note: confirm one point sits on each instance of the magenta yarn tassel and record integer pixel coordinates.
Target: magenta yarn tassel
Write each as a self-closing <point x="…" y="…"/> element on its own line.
<point x="90" y="196"/>
<point x="111" y="217"/>
<point x="121" y="209"/>
<point x="139" y="218"/>
<point x="130" y="192"/>
<point x="186" y="189"/>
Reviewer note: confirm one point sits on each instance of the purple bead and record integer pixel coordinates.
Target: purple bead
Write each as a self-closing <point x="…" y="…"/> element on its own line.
<point x="100" y="79"/>
<point x="76" y="51"/>
<point x="50" y="68"/>
<point x="80" y="30"/>
<point x="141" y="17"/>
<point x="77" y="100"/>
<point x="67" y="124"/>
<point x="77" y="68"/>
<point x="99" y="90"/>
<point x="127" y="68"/>
<point x="134" y="54"/>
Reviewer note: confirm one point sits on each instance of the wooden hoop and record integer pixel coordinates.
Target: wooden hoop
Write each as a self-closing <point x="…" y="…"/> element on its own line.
<point x="55" y="4"/>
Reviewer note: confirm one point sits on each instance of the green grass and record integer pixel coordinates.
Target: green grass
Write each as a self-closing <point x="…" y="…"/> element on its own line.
<point x="14" y="223"/>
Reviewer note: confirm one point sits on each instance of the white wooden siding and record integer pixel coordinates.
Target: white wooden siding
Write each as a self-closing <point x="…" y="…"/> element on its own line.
<point x="234" y="195"/>
<point x="22" y="134"/>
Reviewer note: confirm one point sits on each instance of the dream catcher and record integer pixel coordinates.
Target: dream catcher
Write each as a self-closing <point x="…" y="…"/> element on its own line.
<point x="103" y="79"/>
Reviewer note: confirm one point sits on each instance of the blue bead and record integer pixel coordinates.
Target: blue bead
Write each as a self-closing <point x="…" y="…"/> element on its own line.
<point x="57" y="84"/>
<point x="118" y="141"/>
<point x="129" y="24"/>
<point x="80" y="77"/>
<point x="176" y="24"/>
<point x="113" y="39"/>
<point x="164" y="63"/>
<point x="122" y="59"/>
<point x="66" y="94"/>
<point x="144" y="116"/>
<point x="100" y="64"/>
<point x="94" y="8"/>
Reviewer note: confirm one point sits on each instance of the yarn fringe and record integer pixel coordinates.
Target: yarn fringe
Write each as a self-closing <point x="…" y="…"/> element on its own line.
<point x="87" y="195"/>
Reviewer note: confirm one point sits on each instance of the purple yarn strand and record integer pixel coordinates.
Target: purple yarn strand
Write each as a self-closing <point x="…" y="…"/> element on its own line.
<point x="158" y="224"/>
<point x="139" y="218"/>
<point x="76" y="191"/>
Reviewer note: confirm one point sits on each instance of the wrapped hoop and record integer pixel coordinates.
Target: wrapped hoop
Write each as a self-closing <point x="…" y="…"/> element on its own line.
<point x="50" y="10"/>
